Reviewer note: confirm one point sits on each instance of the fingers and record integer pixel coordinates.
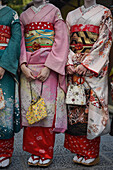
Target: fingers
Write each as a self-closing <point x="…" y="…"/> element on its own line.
<point x="43" y="75"/>
<point x="84" y="73"/>
<point x="81" y="70"/>
<point x="70" y="70"/>
<point x="30" y="76"/>
<point x="1" y="76"/>
<point x="39" y="75"/>
<point x="42" y="78"/>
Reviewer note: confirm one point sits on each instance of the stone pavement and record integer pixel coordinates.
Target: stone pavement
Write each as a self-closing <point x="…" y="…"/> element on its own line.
<point x="62" y="157"/>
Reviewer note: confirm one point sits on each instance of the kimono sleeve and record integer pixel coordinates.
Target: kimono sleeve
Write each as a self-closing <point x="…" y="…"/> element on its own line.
<point x="23" y="48"/>
<point x="10" y="57"/>
<point x="71" y="53"/>
<point x="57" y="58"/>
<point x="99" y="55"/>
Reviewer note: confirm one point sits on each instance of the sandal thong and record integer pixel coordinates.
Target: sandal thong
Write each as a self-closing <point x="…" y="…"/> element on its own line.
<point x="33" y="160"/>
<point x="94" y="162"/>
<point x="43" y="162"/>
<point x="77" y="159"/>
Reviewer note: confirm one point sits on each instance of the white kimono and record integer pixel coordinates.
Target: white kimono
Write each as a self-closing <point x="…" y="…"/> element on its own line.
<point x="90" y="42"/>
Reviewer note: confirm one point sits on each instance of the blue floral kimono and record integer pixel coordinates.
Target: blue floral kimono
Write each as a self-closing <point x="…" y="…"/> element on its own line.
<point x="10" y="37"/>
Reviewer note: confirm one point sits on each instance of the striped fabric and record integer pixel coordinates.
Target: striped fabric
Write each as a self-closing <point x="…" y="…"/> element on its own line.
<point x="39" y="35"/>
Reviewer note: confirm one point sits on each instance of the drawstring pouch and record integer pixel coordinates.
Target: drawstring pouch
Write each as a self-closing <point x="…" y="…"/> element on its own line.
<point x="37" y="109"/>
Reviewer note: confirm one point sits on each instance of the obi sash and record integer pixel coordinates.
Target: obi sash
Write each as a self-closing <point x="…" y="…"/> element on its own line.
<point x="83" y="37"/>
<point x="39" y="35"/>
<point x="5" y="35"/>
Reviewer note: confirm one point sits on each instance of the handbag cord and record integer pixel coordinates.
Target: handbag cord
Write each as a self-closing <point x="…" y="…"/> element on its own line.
<point x="32" y="91"/>
<point x="80" y="79"/>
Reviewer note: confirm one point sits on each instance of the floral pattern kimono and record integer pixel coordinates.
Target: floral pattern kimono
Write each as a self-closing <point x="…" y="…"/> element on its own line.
<point x="111" y="75"/>
<point x="90" y="43"/>
<point x="10" y="36"/>
<point x="43" y="46"/>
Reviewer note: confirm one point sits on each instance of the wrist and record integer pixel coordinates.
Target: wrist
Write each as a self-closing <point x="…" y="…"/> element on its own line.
<point x="47" y="68"/>
<point x="23" y="66"/>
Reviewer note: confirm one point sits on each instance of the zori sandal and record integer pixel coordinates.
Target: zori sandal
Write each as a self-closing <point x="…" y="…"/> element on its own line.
<point x="33" y="160"/>
<point x="4" y="162"/>
<point x="44" y="162"/>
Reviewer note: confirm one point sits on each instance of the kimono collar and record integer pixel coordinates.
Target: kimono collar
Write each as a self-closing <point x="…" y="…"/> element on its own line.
<point x="2" y="6"/>
<point x="36" y="10"/>
<point x="84" y="10"/>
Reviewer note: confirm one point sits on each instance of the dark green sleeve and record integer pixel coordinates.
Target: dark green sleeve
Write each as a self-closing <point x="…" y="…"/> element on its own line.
<point x="9" y="59"/>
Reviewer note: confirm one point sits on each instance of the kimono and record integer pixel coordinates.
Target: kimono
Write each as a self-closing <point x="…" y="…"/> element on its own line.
<point x="10" y="37"/>
<point x="90" y="43"/>
<point x="111" y="76"/>
<point x="44" y="43"/>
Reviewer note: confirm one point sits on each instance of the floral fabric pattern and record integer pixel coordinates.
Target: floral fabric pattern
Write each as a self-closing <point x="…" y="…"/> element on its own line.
<point x="10" y="114"/>
<point x="82" y="146"/>
<point x="48" y="52"/>
<point x="39" y="141"/>
<point x="15" y="17"/>
<point x="96" y="61"/>
<point x="54" y="103"/>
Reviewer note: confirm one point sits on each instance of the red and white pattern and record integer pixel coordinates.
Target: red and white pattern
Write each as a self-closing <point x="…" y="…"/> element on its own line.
<point x="6" y="147"/>
<point x="82" y="146"/>
<point x="2" y="48"/>
<point x="81" y="27"/>
<point x="39" y="26"/>
<point x="5" y="30"/>
<point x="5" y="34"/>
<point x="3" y="39"/>
<point x="39" y="141"/>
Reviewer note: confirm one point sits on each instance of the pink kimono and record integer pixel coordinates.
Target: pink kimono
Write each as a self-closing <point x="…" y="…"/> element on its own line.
<point x="45" y="43"/>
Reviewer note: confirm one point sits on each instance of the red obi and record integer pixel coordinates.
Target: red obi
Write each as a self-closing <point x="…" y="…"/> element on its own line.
<point x="5" y="35"/>
<point x="89" y="28"/>
<point x="38" y="26"/>
<point x="39" y="35"/>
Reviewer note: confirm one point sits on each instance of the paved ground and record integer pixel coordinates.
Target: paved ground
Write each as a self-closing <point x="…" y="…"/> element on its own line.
<point x="62" y="157"/>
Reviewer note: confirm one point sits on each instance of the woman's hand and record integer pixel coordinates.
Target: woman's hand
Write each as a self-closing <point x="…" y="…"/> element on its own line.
<point x="43" y="74"/>
<point x="70" y="70"/>
<point x="27" y="72"/>
<point x="2" y="71"/>
<point x="81" y="70"/>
